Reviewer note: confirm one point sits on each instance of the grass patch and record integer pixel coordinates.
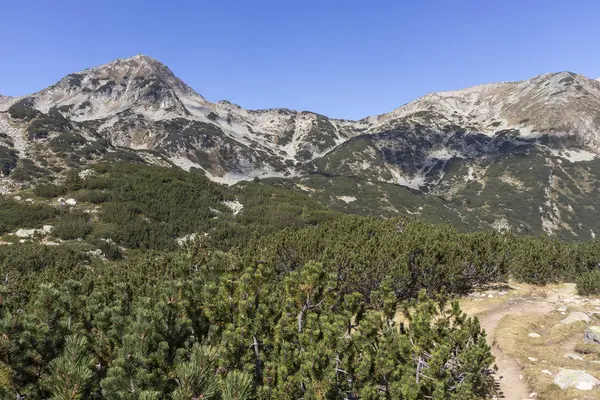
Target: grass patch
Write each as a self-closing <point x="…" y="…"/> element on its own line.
<point x="548" y="350"/>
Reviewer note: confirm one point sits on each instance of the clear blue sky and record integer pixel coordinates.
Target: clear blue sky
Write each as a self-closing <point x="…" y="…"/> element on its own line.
<point x="342" y="58"/>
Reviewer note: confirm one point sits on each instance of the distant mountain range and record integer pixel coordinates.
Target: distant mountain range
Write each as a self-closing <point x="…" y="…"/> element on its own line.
<point x="516" y="155"/>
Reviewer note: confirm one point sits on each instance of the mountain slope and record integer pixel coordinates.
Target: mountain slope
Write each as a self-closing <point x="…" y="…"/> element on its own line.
<point x="138" y="103"/>
<point x="529" y="149"/>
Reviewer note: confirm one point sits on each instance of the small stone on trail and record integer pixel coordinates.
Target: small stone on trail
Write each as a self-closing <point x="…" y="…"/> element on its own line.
<point x="592" y="334"/>
<point x="545" y="371"/>
<point x="532" y="359"/>
<point x="534" y="335"/>
<point x="574" y="356"/>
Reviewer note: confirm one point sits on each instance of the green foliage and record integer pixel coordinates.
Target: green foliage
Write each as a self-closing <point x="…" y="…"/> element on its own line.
<point x="238" y="386"/>
<point x="44" y="124"/>
<point x="8" y="160"/>
<point x="541" y="261"/>
<point x="284" y="299"/>
<point x="146" y="207"/>
<point x="49" y="190"/>
<point x="366" y="251"/>
<point x="23" y="109"/>
<point x="588" y="283"/>
<point x="72" y="180"/>
<point x="263" y="336"/>
<point x="71" y="372"/>
<point x="196" y="377"/>
<point x="67" y="142"/>
<point x="23" y="267"/>
<point x="73" y="225"/>
<point x="27" y="171"/>
<point x="16" y="214"/>
<point x="92" y="196"/>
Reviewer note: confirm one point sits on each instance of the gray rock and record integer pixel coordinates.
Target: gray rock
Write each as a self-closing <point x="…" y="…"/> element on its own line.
<point x="576" y="316"/>
<point x="562" y="309"/>
<point x="572" y="378"/>
<point x="25" y="233"/>
<point x="574" y="356"/>
<point x="592" y="334"/>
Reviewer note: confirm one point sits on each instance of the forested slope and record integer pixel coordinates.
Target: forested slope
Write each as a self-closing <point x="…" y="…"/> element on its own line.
<point x="269" y="295"/>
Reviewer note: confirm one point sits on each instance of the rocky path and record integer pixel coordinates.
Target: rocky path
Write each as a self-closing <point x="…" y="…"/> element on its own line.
<point x="511" y="380"/>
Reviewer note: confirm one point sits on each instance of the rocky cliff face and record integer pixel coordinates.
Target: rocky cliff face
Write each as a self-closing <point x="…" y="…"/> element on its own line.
<point x="536" y="139"/>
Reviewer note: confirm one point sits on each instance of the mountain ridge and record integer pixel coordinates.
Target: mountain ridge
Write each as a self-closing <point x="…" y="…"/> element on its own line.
<point x="454" y="145"/>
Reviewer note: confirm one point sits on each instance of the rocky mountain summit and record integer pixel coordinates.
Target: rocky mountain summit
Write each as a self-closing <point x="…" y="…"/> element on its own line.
<point x="512" y="155"/>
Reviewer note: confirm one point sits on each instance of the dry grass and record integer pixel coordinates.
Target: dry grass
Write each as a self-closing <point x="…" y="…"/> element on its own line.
<point x="548" y="350"/>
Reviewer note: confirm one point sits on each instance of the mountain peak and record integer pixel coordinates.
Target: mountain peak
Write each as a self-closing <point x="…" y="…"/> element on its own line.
<point x="142" y="57"/>
<point x="140" y="83"/>
<point x="140" y="61"/>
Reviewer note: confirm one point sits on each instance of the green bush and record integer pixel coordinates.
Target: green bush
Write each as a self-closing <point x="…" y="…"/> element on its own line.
<point x="110" y="250"/>
<point x="92" y="196"/>
<point x="15" y="215"/>
<point x="72" y="226"/>
<point x="27" y="170"/>
<point x="49" y="190"/>
<point x="67" y="142"/>
<point x="588" y="283"/>
<point x="23" y="109"/>
<point x="8" y="160"/>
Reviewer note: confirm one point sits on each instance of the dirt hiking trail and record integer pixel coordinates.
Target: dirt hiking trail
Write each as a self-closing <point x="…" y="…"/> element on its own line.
<point x="510" y="377"/>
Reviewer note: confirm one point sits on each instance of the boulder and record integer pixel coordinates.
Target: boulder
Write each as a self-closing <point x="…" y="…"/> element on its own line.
<point x="71" y="202"/>
<point x="534" y="335"/>
<point x="25" y="233"/>
<point x="575" y="316"/>
<point x="47" y="228"/>
<point x="572" y="378"/>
